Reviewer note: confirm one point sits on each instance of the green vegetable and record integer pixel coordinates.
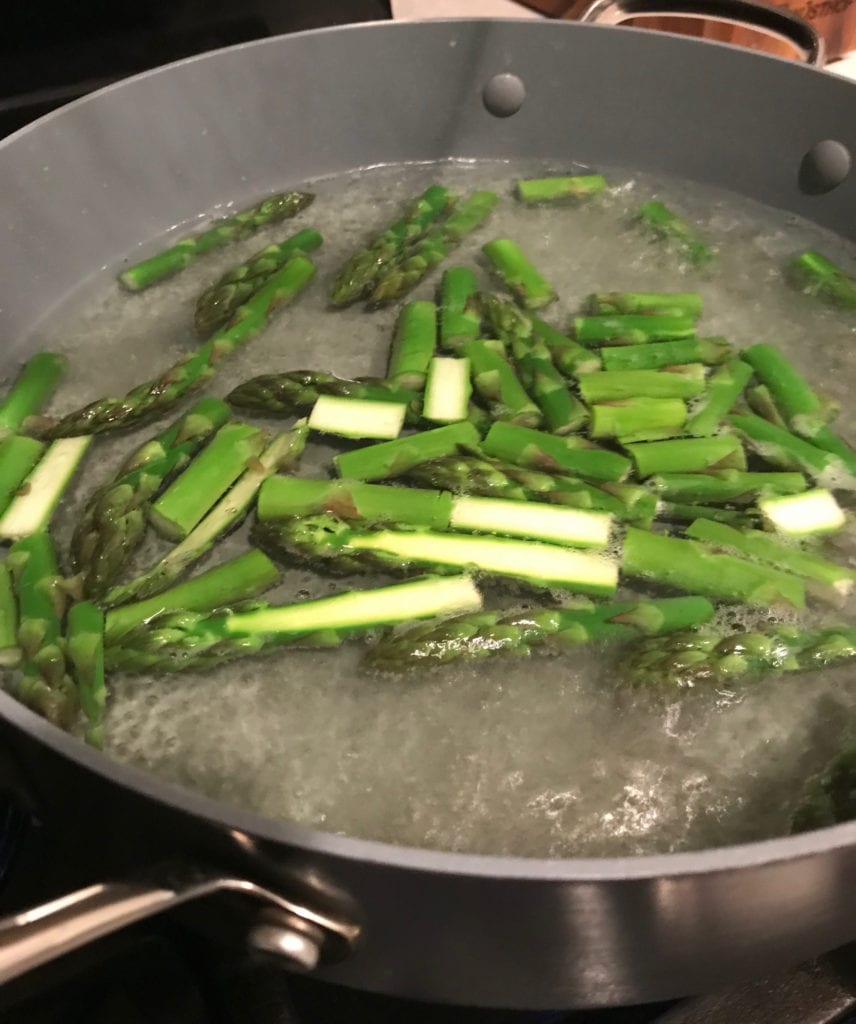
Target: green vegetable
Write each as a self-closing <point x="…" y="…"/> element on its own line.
<point x="536" y="450"/>
<point x="789" y="452"/>
<point x="726" y="386"/>
<point x="816" y="275"/>
<point x="496" y="382"/>
<point x="800" y="407"/>
<point x="732" y="485"/>
<point x="31" y="391"/>
<point x="518" y="274"/>
<point x="18" y="456"/>
<point x="688" y="455"/>
<point x="668" y="225"/>
<point x="85" y="646"/>
<point x="613" y="385"/>
<point x="801" y="515"/>
<point x="392" y="458"/>
<point x="632" y="329"/>
<point x="638" y="419"/>
<point x="667" y="353"/>
<point x="413" y="348"/>
<point x="549" y="190"/>
<point x="460" y="319"/>
<point x="33" y="506"/>
<point x="650" y="303"/>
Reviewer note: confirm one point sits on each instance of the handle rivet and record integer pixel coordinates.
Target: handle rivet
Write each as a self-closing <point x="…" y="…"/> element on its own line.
<point x="824" y="167"/>
<point x="503" y="95"/>
<point x="297" y="942"/>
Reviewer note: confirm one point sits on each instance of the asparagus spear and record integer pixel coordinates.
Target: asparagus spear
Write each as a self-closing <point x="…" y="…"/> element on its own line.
<point x="447" y="390"/>
<point x="85" y="647"/>
<point x="189" y="432"/>
<point x="829" y="799"/>
<point x="357" y="418"/>
<point x="18" y="456"/>
<point x="698" y="569"/>
<point x="799" y="406"/>
<point x="275" y="208"/>
<point x="680" y="512"/>
<point x="392" y="458"/>
<point x="810" y="513"/>
<point x="33" y="506"/>
<point x="570" y="358"/>
<point x="157" y="396"/>
<point x="816" y="275"/>
<point x="240" y="578"/>
<point x="611" y="385"/>
<point x="460" y="319"/>
<point x="536" y="450"/>
<point x="731" y="485"/>
<point x="667" y="353"/>
<point x="433" y="248"/>
<point x="668" y="225"/>
<point x="186" y="641"/>
<point x="562" y="411"/>
<point x="484" y="634"/>
<point x="496" y="382"/>
<point x="830" y="442"/>
<point x="789" y="452"/>
<point x="688" y="455"/>
<point x="413" y="347"/>
<point x="518" y="274"/>
<point x="660" y="303"/>
<point x="217" y="304"/>
<point x="31" y="391"/>
<point x="687" y="660"/>
<point x="549" y="190"/>
<point x="357" y="276"/>
<point x="638" y="419"/>
<point x="724" y="389"/>
<point x="632" y="328"/>
<point x="760" y="401"/>
<point x="10" y="653"/>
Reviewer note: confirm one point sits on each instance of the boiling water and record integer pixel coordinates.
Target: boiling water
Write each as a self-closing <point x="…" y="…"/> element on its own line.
<point x="537" y="757"/>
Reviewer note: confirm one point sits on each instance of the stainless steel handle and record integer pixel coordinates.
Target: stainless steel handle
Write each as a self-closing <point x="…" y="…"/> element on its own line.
<point x="287" y="929"/>
<point x="775" y="21"/>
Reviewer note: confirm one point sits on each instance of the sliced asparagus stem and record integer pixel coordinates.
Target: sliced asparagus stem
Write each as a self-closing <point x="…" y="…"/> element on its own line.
<point x="460" y="320"/>
<point x="688" y="455"/>
<point x="650" y="303"/>
<point x="157" y="396"/>
<point x="217" y="304"/>
<point x="275" y="208"/>
<point x="188" y="641"/>
<point x="800" y="407"/>
<point x="830" y="442"/>
<point x="816" y="275"/>
<point x="789" y="452"/>
<point x="726" y="386"/>
<point x="632" y="328"/>
<point x="666" y="224"/>
<point x="243" y="577"/>
<point x="448" y="390"/>
<point x="698" y="569"/>
<point x="496" y="382"/>
<point x="33" y="506"/>
<point x="802" y="515"/>
<point x="18" y="456"/>
<point x="192" y="494"/>
<point x="731" y="485"/>
<point x="680" y="512"/>
<point x="10" y="653"/>
<point x="356" y="277"/>
<point x="392" y="458"/>
<point x="551" y="190"/>
<point x="569" y="357"/>
<point x="518" y="274"/>
<point x="283" y="453"/>
<point x="36" y="383"/>
<point x="537" y="450"/>
<point x="562" y="411"/>
<point x="85" y="647"/>
<point x="357" y="418"/>
<point x="655" y="356"/>
<point x="638" y="419"/>
<point x="414" y="345"/>
<point x="760" y="401"/>
<point x="614" y="385"/>
<point x="534" y="521"/>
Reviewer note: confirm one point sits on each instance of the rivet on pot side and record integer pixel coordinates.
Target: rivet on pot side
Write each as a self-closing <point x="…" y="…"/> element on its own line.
<point x="503" y="95"/>
<point x="824" y="167"/>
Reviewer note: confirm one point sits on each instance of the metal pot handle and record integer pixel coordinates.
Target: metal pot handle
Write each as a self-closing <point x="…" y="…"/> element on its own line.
<point x="34" y="937"/>
<point x="775" y="21"/>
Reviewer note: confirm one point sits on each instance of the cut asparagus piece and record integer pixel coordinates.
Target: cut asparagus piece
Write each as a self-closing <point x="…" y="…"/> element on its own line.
<point x="218" y="304"/>
<point x="413" y="347"/>
<point x="192" y="641"/>
<point x="677" y="511"/>
<point x="698" y="569"/>
<point x="731" y="485"/>
<point x="725" y="387"/>
<point x="36" y="383"/>
<point x="18" y="456"/>
<point x="802" y="515"/>
<point x="650" y="303"/>
<point x="357" y="418"/>
<point x="496" y="382"/>
<point x="800" y="407"/>
<point x="393" y="458"/>
<point x="668" y="225"/>
<point x="612" y="385"/>
<point x="10" y="652"/>
<point x="243" y="577"/>
<point x="448" y="390"/>
<point x="549" y="190"/>
<point x="562" y="411"/>
<point x="33" y="506"/>
<point x="189" y="431"/>
<point x="85" y="647"/>
<point x="830" y="442"/>
<point x="484" y="634"/>
<point x="518" y="274"/>
<point x="569" y="357"/>
<point x="816" y="275"/>
<point x="206" y="479"/>
<point x="460" y="319"/>
<point x="532" y="520"/>
<point x="660" y="354"/>
<point x="275" y="208"/>
<point x="638" y="419"/>
<point x="536" y="450"/>
<point x="787" y="451"/>
<point x="632" y="329"/>
<point x="688" y="455"/>
<point x="760" y="401"/>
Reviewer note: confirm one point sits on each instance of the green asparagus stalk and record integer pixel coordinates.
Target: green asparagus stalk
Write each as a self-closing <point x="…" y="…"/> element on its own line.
<point x="726" y="386"/>
<point x="710" y="351"/>
<point x="31" y="391"/>
<point x="760" y="401"/>
<point x="460" y="319"/>
<point x="789" y="452"/>
<point x="668" y="225"/>
<point x="809" y="514"/>
<point x="191" y="430"/>
<point x="187" y="641"/>
<point x="447" y="390"/>
<point x="632" y="328"/>
<point x="638" y="419"/>
<point x="18" y="456"/>
<point x="217" y="304"/>
<point x="570" y="358"/>
<point x="830" y="798"/>
<point x="800" y="407"/>
<point x="698" y="569"/>
<point x="157" y="396"/>
<point x="413" y="347"/>
<point x="688" y="455"/>
<point x="357" y="418"/>
<point x="392" y="458"/>
<point x="243" y="577"/>
<point x="485" y="634"/>
<point x="675" y="511"/>
<point x="398" y="279"/>
<point x="356" y="277"/>
<point x="650" y="303"/>
<point x="32" y="508"/>
<point x="830" y="442"/>
<point x="549" y="190"/>
<point x="85" y="647"/>
<point x="815" y="275"/>
<point x="275" y="208"/>
<point x="498" y="385"/>
<point x="562" y="411"/>
<point x="725" y="485"/>
<point x="614" y="385"/>
<point x="537" y="450"/>
<point x="518" y="274"/>
<point x="10" y="653"/>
